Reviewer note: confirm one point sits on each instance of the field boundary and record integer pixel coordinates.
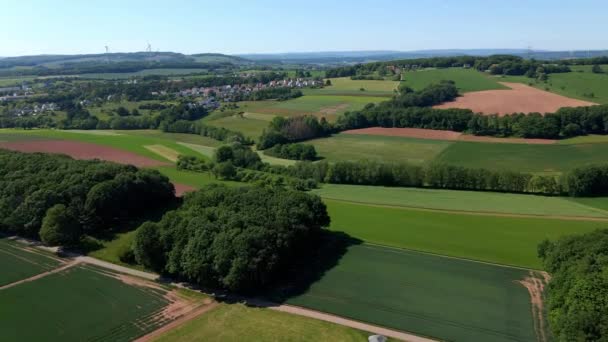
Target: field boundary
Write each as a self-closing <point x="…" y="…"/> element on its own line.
<point x="476" y="213"/>
<point x="42" y="275"/>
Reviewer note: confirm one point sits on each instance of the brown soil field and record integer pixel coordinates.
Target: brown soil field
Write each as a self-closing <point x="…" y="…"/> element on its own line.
<point x="520" y="98"/>
<point x="82" y="150"/>
<point x="421" y="133"/>
<point x="181" y="189"/>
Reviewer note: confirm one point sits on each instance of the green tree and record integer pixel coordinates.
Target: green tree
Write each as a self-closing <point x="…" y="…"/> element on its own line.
<point x="597" y="69"/>
<point x="60" y="227"/>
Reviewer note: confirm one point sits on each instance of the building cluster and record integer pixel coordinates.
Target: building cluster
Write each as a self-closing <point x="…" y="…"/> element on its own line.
<point x="15" y="93"/>
<point x="229" y="93"/>
<point x="33" y="110"/>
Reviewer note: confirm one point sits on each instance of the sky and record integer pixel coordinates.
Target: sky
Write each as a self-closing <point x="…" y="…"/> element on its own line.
<point x="29" y="27"/>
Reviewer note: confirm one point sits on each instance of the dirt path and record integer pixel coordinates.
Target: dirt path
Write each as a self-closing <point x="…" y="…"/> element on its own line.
<point x="295" y="310"/>
<point x="535" y="284"/>
<point x="476" y="213"/>
<point x="178" y="322"/>
<point x="41" y="275"/>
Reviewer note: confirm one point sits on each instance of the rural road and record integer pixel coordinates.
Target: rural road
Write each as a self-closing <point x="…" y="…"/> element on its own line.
<point x="395" y="334"/>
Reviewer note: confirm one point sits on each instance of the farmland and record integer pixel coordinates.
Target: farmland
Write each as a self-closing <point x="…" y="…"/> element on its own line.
<point x="60" y="301"/>
<point x="19" y="263"/>
<point x="492" y="238"/>
<point x="345" y="147"/>
<point x="580" y="84"/>
<point x="344" y="86"/>
<point x="425" y="294"/>
<point x="463" y="201"/>
<point x="467" y="80"/>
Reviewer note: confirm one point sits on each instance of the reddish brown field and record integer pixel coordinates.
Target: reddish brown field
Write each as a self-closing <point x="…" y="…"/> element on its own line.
<point x="420" y="133"/>
<point x="82" y="150"/>
<point x="407" y="132"/>
<point x="181" y="189"/>
<point x="520" y="98"/>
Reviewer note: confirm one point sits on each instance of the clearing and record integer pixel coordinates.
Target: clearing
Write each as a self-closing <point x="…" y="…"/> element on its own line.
<point x="520" y="98"/>
<point x="344" y="86"/>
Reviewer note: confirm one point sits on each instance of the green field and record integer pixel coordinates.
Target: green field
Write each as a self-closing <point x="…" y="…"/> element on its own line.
<point x="346" y="86"/>
<point x="349" y="147"/>
<point x="578" y="84"/>
<point x="238" y="322"/>
<point x="467" y="80"/>
<point x="434" y="296"/>
<point x="525" y="158"/>
<point x="18" y="263"/>
<point x="466" y="201"/>
<point x="502" y="240"/>
<point x="77" y="304"/>
<point x="249" y="126"/>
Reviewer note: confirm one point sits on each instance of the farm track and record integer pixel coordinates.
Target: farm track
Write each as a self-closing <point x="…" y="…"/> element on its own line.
<point x="474" y="213"/>
<point x="42" y="275"/>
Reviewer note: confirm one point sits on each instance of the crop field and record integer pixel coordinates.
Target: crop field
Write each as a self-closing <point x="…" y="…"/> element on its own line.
<point x="433" y="296"/>
<point x="238" y="322"/>
<point x="349" y="147"/>
<point x="59" y="296"/>
<point x="344" y="86"/>
<point x="580" y="84"/>
<point x="18" y="263"/>
<point x="555" y="158"/>
<point x="251" y="127"/>
<point x="322" y="106"/>
<point x="454" y="200"/>
<point x="467" y="80"/>
<point x="501" y="239"/>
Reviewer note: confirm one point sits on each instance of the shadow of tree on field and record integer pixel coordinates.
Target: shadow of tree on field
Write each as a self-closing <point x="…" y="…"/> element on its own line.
<point x="312" y="266"/>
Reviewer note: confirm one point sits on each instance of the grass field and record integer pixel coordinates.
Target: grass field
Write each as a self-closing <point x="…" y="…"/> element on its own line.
<point x="525" y="158"/>
<point x="577" y="84"/>
<point x="343" y="147"/>
<point x="502" y="240"/>
<point x="345" y="86"/>
<point x="62" y="305"/>
<point x="237" y="322"/>
<point x="467" y="80"/>
<point x="18" y="263"/>
<point x="249" y="126"/>
<point x="106" y="111"/>
<point x="467" y="201"/>
<point x="444" y="298"/>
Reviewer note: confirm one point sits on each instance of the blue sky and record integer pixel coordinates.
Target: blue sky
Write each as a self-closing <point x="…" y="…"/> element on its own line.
<point x="257" y="26"/>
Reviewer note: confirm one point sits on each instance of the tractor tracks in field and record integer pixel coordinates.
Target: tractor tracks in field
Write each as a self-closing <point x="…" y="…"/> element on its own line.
<point x="472" y="213"/>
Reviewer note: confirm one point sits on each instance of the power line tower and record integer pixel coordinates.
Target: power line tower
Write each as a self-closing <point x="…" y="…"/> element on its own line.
<point x="149" y="48"/>
<point x="107" y="54"/>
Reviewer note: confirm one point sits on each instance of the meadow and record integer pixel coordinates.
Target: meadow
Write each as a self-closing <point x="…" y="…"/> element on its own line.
<point x="550" y="159"/>
<point x="467" y="80"/>
<point x="491" y="238"/>
<point x="344" y="86"/>
<point x="428" y="295"/>
<point x="249" y="126"/>
<point x="236" y="322"/>
<point x="578" y="84"/>
<point x="347" y="147"/>
<point x="465" y="201"/>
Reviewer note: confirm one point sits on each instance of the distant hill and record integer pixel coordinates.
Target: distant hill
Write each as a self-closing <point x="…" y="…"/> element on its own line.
<point x="346" y="57"/>
<point x="58" y="60"/>
<point x="219" y="58"/>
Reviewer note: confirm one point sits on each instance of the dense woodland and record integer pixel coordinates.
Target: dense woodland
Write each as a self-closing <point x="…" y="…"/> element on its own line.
<point x="240" y="239"/>
<point x="61" y="199"/>
<point x="577" y="295"/>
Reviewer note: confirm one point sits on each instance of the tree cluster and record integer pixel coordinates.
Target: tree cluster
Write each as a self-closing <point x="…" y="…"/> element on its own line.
<point x="217" y="133"/>
<point x="240" y="239"/>
<point x="61" y="199"/>
<point x="293" y="129"/>
<point x="293" y="151"/>
<point x="577" y="295"/>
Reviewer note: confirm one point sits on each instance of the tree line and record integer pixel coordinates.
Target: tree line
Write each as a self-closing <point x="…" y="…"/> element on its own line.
<point x="61" y="200"/>
<point x="577" y="295"/>
<point x="240" y="239"/>
<point x="293" y="151"/>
